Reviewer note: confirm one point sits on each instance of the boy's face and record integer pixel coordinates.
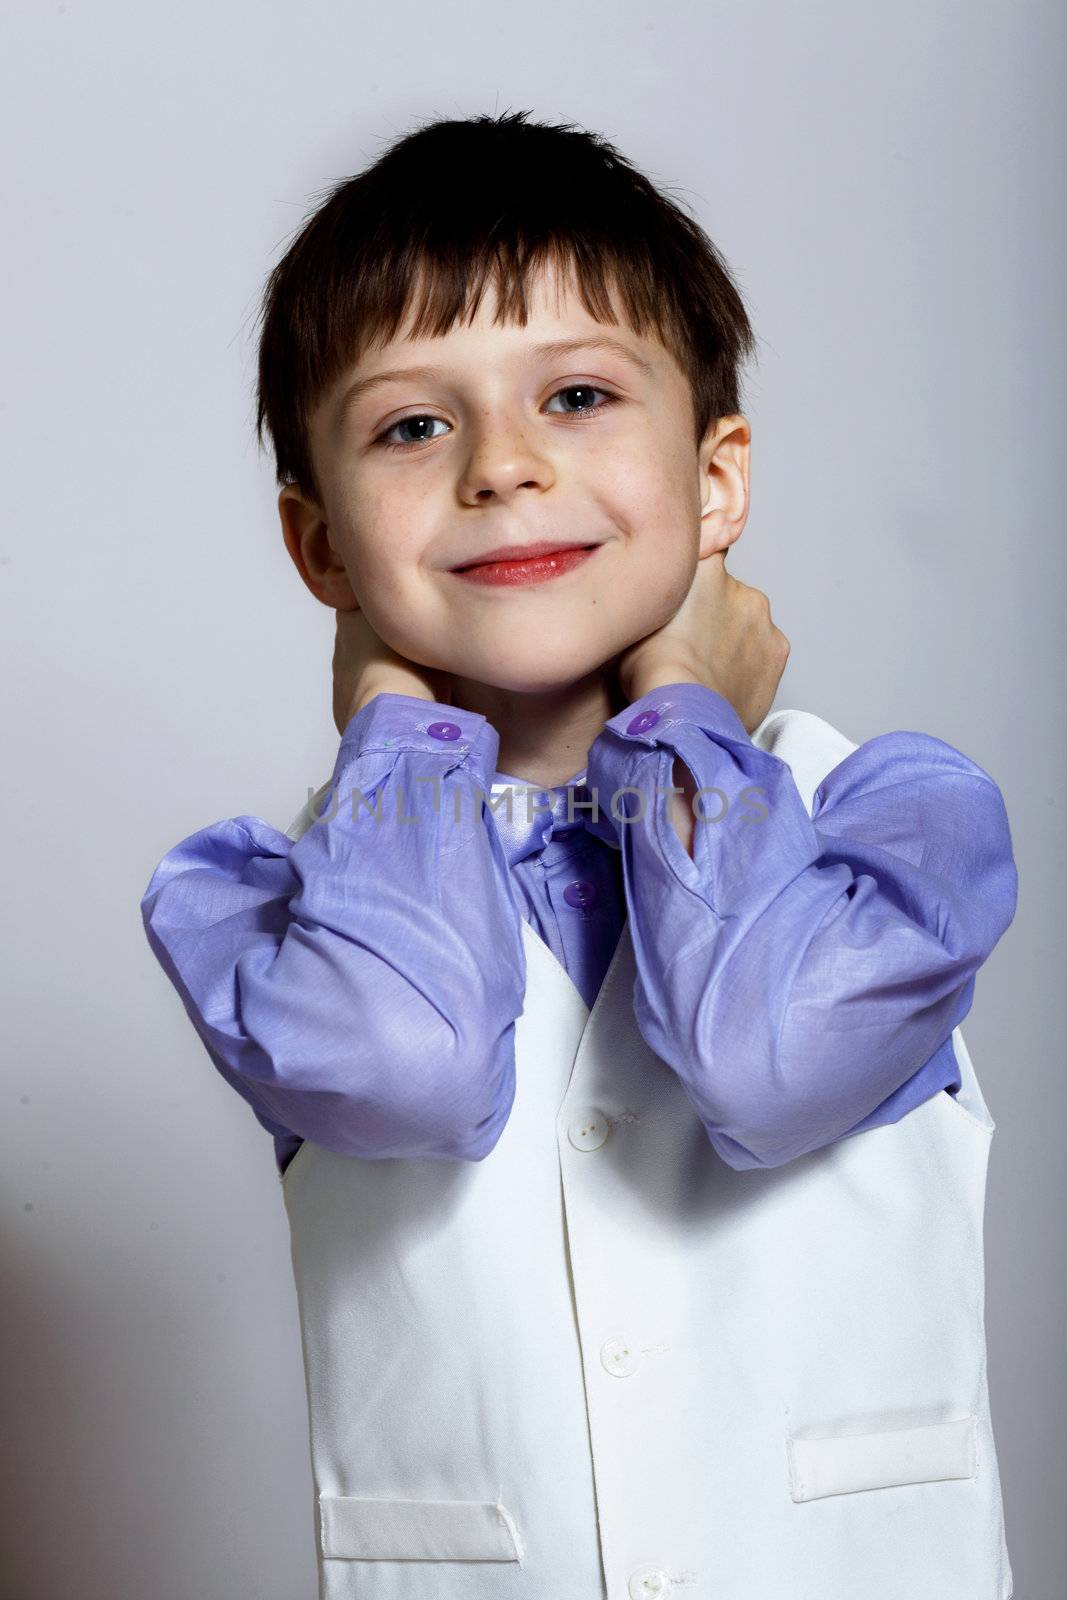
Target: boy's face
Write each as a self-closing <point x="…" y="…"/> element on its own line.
<point x="490" y="452"/>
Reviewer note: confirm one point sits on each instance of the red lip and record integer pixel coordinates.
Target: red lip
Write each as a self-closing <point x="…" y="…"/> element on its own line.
<point x="521" y="552"/>
<point x="506" y="575"/>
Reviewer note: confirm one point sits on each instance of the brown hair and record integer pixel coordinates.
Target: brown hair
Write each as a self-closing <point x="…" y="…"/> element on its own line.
<point x="450" y="204"/>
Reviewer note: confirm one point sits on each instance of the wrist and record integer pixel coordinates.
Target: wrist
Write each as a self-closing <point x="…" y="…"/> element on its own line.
<point x="644" y="679"/>
<point x="371" y="688"/>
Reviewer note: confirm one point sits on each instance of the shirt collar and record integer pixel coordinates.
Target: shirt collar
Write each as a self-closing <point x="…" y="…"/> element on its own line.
<point x="537" y="816"/>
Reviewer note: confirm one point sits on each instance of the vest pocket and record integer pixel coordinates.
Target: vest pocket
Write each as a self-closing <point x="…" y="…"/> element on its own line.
<point x="353" y="1528"/>
<point x="843" y="1463"/>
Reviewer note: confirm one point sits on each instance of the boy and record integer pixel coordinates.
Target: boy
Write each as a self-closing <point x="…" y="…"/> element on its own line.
<point x="633" y="1158"/>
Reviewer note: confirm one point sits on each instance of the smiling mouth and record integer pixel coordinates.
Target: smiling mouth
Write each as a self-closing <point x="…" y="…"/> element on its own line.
<point x="519" y="553"/>
<point x="515" y="571"/>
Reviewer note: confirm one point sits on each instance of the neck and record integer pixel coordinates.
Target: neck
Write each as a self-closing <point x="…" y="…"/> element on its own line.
<point x="544" y="737"/>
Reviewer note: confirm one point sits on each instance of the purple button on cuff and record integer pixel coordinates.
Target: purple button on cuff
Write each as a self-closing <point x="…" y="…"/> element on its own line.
<point x="444" y="730"/>
<point x="580" y="893"/>
<point x="642" y="722"/>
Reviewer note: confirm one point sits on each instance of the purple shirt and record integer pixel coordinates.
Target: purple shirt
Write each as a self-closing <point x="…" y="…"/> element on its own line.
<point x="802" y="975"/>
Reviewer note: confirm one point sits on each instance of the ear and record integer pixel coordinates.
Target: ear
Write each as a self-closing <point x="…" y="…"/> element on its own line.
<point x="723" y="461"/>
<point x="307" y="539"/>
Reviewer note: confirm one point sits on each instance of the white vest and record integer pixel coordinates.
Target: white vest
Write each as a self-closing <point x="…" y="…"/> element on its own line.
<point x="602" y="1363"/>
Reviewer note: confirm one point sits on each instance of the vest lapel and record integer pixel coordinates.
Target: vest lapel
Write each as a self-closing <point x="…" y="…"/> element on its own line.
<point x="589" y="1023"/>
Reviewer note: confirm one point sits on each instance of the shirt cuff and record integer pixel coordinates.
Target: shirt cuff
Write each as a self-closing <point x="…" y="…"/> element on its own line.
<point x="399" y="723"/>
<point x="650" y="720"/>
<point x="664" y="719"/>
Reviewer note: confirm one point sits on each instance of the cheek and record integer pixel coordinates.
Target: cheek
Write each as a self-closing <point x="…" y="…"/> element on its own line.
<point x="664" y="532"/>
<point x="661" y="563"/>
<point x="382" y="539"/>
<point x="651" y="488"/>
<point x="635" y="487"/>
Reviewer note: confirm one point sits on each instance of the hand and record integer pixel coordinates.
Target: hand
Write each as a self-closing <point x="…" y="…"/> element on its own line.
<point x="364" y="665"/>
<point x="722" y="636"/>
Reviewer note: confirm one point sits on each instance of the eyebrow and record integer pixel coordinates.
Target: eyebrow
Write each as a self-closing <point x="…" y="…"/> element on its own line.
<point x="550" y="350"/>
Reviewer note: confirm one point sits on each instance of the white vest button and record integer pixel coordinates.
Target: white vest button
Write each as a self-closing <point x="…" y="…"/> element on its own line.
<point x="649" y="1583"/>
<point x="589" y="1129"/>
<point x="619" y="1356"/>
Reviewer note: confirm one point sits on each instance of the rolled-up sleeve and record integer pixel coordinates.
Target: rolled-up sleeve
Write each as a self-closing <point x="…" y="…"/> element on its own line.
<point x="359" y="987"/>
<point x="802" y="974"/>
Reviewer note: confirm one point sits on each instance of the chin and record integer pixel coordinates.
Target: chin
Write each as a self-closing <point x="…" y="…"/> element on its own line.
<point x="535" y="676"/>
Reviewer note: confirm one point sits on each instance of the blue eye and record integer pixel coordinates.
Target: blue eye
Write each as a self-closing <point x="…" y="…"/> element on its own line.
<point x="586" y="389"/>
<point x="406" y="422"/>
<point x="416" y="420"/>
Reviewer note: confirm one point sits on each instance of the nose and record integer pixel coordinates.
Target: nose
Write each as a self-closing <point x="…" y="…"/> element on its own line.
<point x="503" y="459"/>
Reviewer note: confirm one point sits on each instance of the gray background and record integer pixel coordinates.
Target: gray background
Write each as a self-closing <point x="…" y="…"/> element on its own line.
<point x="886" y="186"/>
